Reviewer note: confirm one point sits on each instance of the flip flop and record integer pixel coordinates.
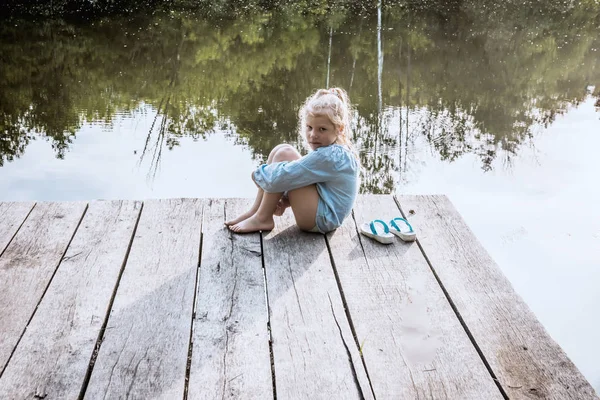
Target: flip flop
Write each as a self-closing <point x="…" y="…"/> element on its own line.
<point x="403" y="229"/>
<point x="369" y="230"/>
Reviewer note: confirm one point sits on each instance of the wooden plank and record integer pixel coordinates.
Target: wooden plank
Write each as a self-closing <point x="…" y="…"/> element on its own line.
<point x="525" y="360"/>
<point x="145" y="347"/>
<point x="28" y="264"/>
<point x="314" y="352"/>
<point x="53" y="356"/>
<point x="230" y="356"/>
<point x="413" y="344"/>
<point x="12" y="216"/>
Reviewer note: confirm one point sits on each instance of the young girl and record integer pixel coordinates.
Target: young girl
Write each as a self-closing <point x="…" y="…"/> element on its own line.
<point x="321" y="186"/>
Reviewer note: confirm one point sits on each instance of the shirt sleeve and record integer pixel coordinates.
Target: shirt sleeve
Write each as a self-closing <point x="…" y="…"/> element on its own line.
<point x="290" y="175"/>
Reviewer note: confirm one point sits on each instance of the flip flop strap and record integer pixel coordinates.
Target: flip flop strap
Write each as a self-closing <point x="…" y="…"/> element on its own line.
<point x="385" y="227"/>
<point x="396" y="227"/>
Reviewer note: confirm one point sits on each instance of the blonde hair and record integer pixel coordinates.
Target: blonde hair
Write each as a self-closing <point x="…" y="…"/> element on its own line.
<point x="333" y="103"/>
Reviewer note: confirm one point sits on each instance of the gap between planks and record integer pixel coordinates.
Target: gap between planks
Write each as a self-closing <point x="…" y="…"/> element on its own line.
<point x="88" y="373"/>
<point x="523" y="356"/>
<point x="456" y="311"/>
<point x="47" y="285"/>
<point x="188" y="364"/>
<point x="271" y="358"/>
<point x="17" y="230"/>
<point x="347" y="309"/>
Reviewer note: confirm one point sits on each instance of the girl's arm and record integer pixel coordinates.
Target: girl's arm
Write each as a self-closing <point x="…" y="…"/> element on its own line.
<point x="289" y="175"/>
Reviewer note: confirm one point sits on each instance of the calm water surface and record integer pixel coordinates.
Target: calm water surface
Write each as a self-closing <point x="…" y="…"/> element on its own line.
<point x="497" y="106"/>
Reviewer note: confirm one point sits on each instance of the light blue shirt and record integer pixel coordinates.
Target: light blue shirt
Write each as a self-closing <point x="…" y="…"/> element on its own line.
<point x="333" y="169"/>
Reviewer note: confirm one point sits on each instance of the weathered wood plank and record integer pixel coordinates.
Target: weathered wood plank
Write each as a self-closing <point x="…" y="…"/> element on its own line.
<point x="52" y="357"/>
<point x="28" y="264"/>
<point x="315" y="355"/>
<point x="413" y="344"/>
<point x="12" y="216"/>
<point x="526" y="361"/>
<point x="145" y="347"/>
<point x="230" y="357"/>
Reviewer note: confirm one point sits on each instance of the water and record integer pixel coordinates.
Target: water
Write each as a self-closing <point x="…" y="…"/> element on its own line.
<point x="495" y="105"/>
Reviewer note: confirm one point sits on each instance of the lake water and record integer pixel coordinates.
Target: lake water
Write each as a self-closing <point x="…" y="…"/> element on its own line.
<point x="495" y="105"/>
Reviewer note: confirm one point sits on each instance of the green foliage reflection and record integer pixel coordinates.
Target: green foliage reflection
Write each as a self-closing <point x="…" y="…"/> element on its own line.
<point x="465" y="76"/>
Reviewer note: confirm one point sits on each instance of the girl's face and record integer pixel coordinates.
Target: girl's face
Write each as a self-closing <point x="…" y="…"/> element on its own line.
<point x="320" y="131"/>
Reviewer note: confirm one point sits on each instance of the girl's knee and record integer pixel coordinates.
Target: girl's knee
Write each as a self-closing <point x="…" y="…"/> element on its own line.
<point x="279" y="146"/>
<point x="275" y="151"/>
<point x="284" y="152"/>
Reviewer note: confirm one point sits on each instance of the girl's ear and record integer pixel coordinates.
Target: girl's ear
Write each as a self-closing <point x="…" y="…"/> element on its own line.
<point x="341" y="129"/>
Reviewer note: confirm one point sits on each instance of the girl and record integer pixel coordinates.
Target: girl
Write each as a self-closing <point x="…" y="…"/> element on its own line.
<point x="321" y="187"/>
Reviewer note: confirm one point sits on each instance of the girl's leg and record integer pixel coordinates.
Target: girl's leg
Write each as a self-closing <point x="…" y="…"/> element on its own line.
<point x="260" y="192"/>
<point x="282" y="152"/>
<point x="263" y="218"/>
<point x="250" y="212"/>
<point x="304" y="202"/>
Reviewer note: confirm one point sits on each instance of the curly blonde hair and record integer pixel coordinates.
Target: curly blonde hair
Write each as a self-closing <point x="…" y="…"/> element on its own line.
<point x="333" y="103"/>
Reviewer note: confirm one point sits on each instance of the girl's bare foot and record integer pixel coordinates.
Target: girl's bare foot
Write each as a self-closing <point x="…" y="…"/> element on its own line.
<point x="253" y="224"/>
<point x="242" y="217"/>
<point x="283" y="203"/>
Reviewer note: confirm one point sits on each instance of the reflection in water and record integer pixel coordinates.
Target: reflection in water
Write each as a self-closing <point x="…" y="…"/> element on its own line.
<point x="469" y="78"/>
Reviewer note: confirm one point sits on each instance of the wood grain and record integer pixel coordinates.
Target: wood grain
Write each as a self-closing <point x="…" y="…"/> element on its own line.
<point x="230" y="357"/>
<point x="28" y="264"/>
<point x="145" y="347"/>
<point x="53" y="356"/>
<point x="315" y="355"/>
<point x="12" y="216"/>
<point x="413" y="344"/>
<point x="526" y="361"/>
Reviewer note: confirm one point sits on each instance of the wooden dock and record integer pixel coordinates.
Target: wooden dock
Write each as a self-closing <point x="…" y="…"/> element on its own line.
<point x="156" y="299"/>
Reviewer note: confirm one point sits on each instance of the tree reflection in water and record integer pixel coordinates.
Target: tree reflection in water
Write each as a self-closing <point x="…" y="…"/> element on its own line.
<point x="464" y="76"/>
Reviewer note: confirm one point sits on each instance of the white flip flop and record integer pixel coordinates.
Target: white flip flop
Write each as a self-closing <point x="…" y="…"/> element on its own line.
<point x="369" y="230"/>
<point x="403" y="229"/>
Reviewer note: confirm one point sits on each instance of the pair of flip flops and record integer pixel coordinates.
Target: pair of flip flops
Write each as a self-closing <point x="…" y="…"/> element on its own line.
<point x="386" y="234"/>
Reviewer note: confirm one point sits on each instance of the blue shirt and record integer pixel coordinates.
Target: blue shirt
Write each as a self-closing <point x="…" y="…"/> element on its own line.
<point x="333" y="169"/>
